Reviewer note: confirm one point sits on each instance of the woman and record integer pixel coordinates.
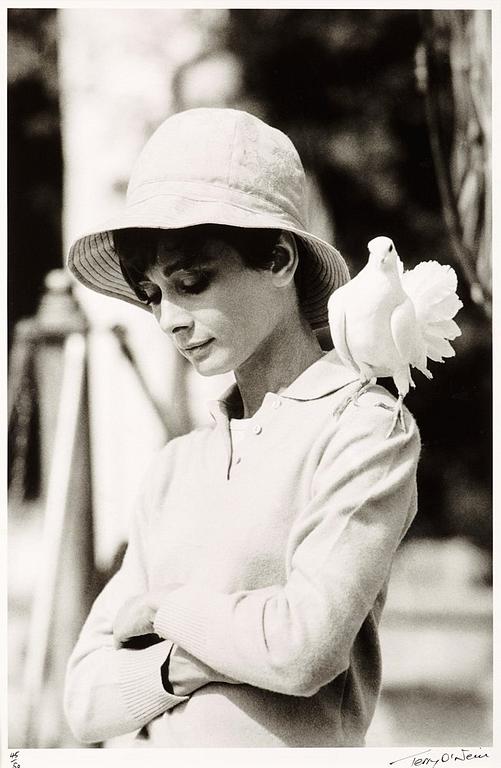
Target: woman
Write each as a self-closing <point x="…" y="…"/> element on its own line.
<point x="245" y="612"/>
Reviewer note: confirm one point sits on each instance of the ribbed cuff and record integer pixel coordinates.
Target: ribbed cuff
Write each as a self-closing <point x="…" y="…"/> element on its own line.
<point x="141" y="682"/>
<point x="182" y="618"/>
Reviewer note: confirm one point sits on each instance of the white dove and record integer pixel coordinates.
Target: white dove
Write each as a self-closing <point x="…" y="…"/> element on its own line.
<point x="385" y="320"/>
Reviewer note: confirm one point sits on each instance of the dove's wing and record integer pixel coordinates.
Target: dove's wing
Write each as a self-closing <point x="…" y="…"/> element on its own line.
<point x="337" y="325"/>
<point x="403" y="331"/>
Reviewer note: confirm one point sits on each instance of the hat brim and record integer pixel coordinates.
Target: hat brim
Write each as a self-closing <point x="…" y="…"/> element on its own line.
<point x="94" y="262"/>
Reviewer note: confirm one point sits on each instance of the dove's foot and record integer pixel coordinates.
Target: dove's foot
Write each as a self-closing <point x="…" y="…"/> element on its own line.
<point x="353" y="398"/>
<point x="398" y="415"/>
<point x="363" y="388"/>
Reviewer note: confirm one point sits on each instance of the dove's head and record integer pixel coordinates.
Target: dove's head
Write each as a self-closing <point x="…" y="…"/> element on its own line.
<point x="383" y="254"/>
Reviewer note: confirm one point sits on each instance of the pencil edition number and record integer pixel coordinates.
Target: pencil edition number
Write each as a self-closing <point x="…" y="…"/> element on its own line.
<point x="14" y="760"/>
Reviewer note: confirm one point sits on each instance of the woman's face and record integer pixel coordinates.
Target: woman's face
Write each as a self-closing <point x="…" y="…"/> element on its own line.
<point x="219" y="313"/>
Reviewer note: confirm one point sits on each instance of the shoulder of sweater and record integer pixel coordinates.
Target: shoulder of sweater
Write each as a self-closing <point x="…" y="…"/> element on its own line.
<point x="181" y="443"/>
<point x="373" y="412"/>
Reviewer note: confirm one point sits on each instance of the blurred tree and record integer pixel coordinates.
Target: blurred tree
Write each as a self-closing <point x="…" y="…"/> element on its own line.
<point x="34" y="158"/>
<point x="342" y="84"/>
<point x="455" y="72"/>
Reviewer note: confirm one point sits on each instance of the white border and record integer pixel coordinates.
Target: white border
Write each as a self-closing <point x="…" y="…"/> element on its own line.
<point x="289" y="758"/>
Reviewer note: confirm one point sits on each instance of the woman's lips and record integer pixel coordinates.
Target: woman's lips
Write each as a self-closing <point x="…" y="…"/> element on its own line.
<point x="193" y="349"/>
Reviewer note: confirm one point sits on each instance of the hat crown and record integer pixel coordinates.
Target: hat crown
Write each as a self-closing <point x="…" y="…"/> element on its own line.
<point x="214" y="166"/>
<point x="228" y="150"/>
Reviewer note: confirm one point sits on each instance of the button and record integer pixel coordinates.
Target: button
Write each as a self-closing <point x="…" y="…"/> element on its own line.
<point x="277" y="403"/>
<point x="238" y="460"/>
<point x="257" y="429"/>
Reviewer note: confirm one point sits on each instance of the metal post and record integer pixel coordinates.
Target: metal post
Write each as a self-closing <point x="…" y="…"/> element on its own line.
<point x="65" y="585"/>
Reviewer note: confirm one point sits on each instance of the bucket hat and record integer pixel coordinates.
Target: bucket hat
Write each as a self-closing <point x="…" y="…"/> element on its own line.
<point x="214" y="166"/>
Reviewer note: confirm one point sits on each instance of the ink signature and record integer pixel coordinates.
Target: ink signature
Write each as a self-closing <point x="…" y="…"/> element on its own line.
<point x="14" y="757"/>
<point x="460" y="755"/>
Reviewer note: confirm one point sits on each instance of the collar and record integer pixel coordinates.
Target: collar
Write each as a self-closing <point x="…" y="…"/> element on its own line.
<point x="323" y="377"/>
<point x="320" y="379"/>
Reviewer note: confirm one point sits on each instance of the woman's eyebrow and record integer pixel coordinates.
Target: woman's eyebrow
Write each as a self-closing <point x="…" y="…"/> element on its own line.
<point x="176" y="265"/>
<point x="185" y="264"/>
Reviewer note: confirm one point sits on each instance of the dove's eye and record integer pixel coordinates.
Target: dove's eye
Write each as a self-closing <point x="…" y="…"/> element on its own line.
<point x="391" y="247"/>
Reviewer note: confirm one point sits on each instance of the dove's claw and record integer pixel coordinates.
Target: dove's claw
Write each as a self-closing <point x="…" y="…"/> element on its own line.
<point x="353" y="398"/>
<point x="398" y="415"/>
<point x="364" y="387"/>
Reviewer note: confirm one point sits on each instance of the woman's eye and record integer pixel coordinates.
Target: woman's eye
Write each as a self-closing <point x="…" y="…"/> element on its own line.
<point x="188" y="283"/>
<point x="194" y="284"/>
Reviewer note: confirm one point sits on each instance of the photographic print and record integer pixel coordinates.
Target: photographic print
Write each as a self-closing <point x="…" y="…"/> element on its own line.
<point x="249" y="385"/>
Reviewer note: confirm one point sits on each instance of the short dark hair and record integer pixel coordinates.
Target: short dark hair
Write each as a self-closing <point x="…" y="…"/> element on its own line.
<point x="137" y="248"/>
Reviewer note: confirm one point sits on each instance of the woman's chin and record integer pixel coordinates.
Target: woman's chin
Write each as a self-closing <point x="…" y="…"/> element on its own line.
<point x="213" y="365"/>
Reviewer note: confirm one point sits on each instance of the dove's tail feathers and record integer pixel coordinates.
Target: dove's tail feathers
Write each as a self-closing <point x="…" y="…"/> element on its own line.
<point x="421" y="366"/>
<point x="445" y="309"/>
<point x="431" y="280"/>
<point x="438" y="348"/>
<point x="432" y="288"/>
<point x="449" y="329"/>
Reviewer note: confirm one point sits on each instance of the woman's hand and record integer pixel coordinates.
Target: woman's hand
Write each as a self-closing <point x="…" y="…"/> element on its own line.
<point x="134" y="618"/>
<point x="137" y="614"/>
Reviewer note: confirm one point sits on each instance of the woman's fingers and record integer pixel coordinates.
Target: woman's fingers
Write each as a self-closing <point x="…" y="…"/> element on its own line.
<point x="134" y="618"/>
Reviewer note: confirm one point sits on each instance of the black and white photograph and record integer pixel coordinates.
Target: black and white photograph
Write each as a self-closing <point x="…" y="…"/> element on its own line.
<point x="249" y="386"/>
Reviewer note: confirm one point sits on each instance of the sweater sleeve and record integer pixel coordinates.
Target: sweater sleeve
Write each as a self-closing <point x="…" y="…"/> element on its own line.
<point x="293" y="638"/>
<point x="110" y="692"/>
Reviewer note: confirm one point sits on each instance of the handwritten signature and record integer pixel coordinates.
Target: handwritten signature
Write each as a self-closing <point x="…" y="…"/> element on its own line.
<point x="14" y="757"/>
<point x="458" y="756"/>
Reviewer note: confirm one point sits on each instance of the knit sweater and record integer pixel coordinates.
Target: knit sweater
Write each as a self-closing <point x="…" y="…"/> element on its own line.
<point x="282" y="549"/>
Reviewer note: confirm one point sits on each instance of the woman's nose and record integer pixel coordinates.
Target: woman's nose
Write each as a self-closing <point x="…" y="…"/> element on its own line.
<point x="173" y="318"/>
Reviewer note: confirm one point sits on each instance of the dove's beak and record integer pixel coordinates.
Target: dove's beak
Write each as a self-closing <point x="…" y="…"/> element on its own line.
<point x="378" y="257"/>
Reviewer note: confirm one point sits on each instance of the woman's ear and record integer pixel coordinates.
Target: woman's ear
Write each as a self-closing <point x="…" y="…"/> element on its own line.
<point x="284" y="259"/>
